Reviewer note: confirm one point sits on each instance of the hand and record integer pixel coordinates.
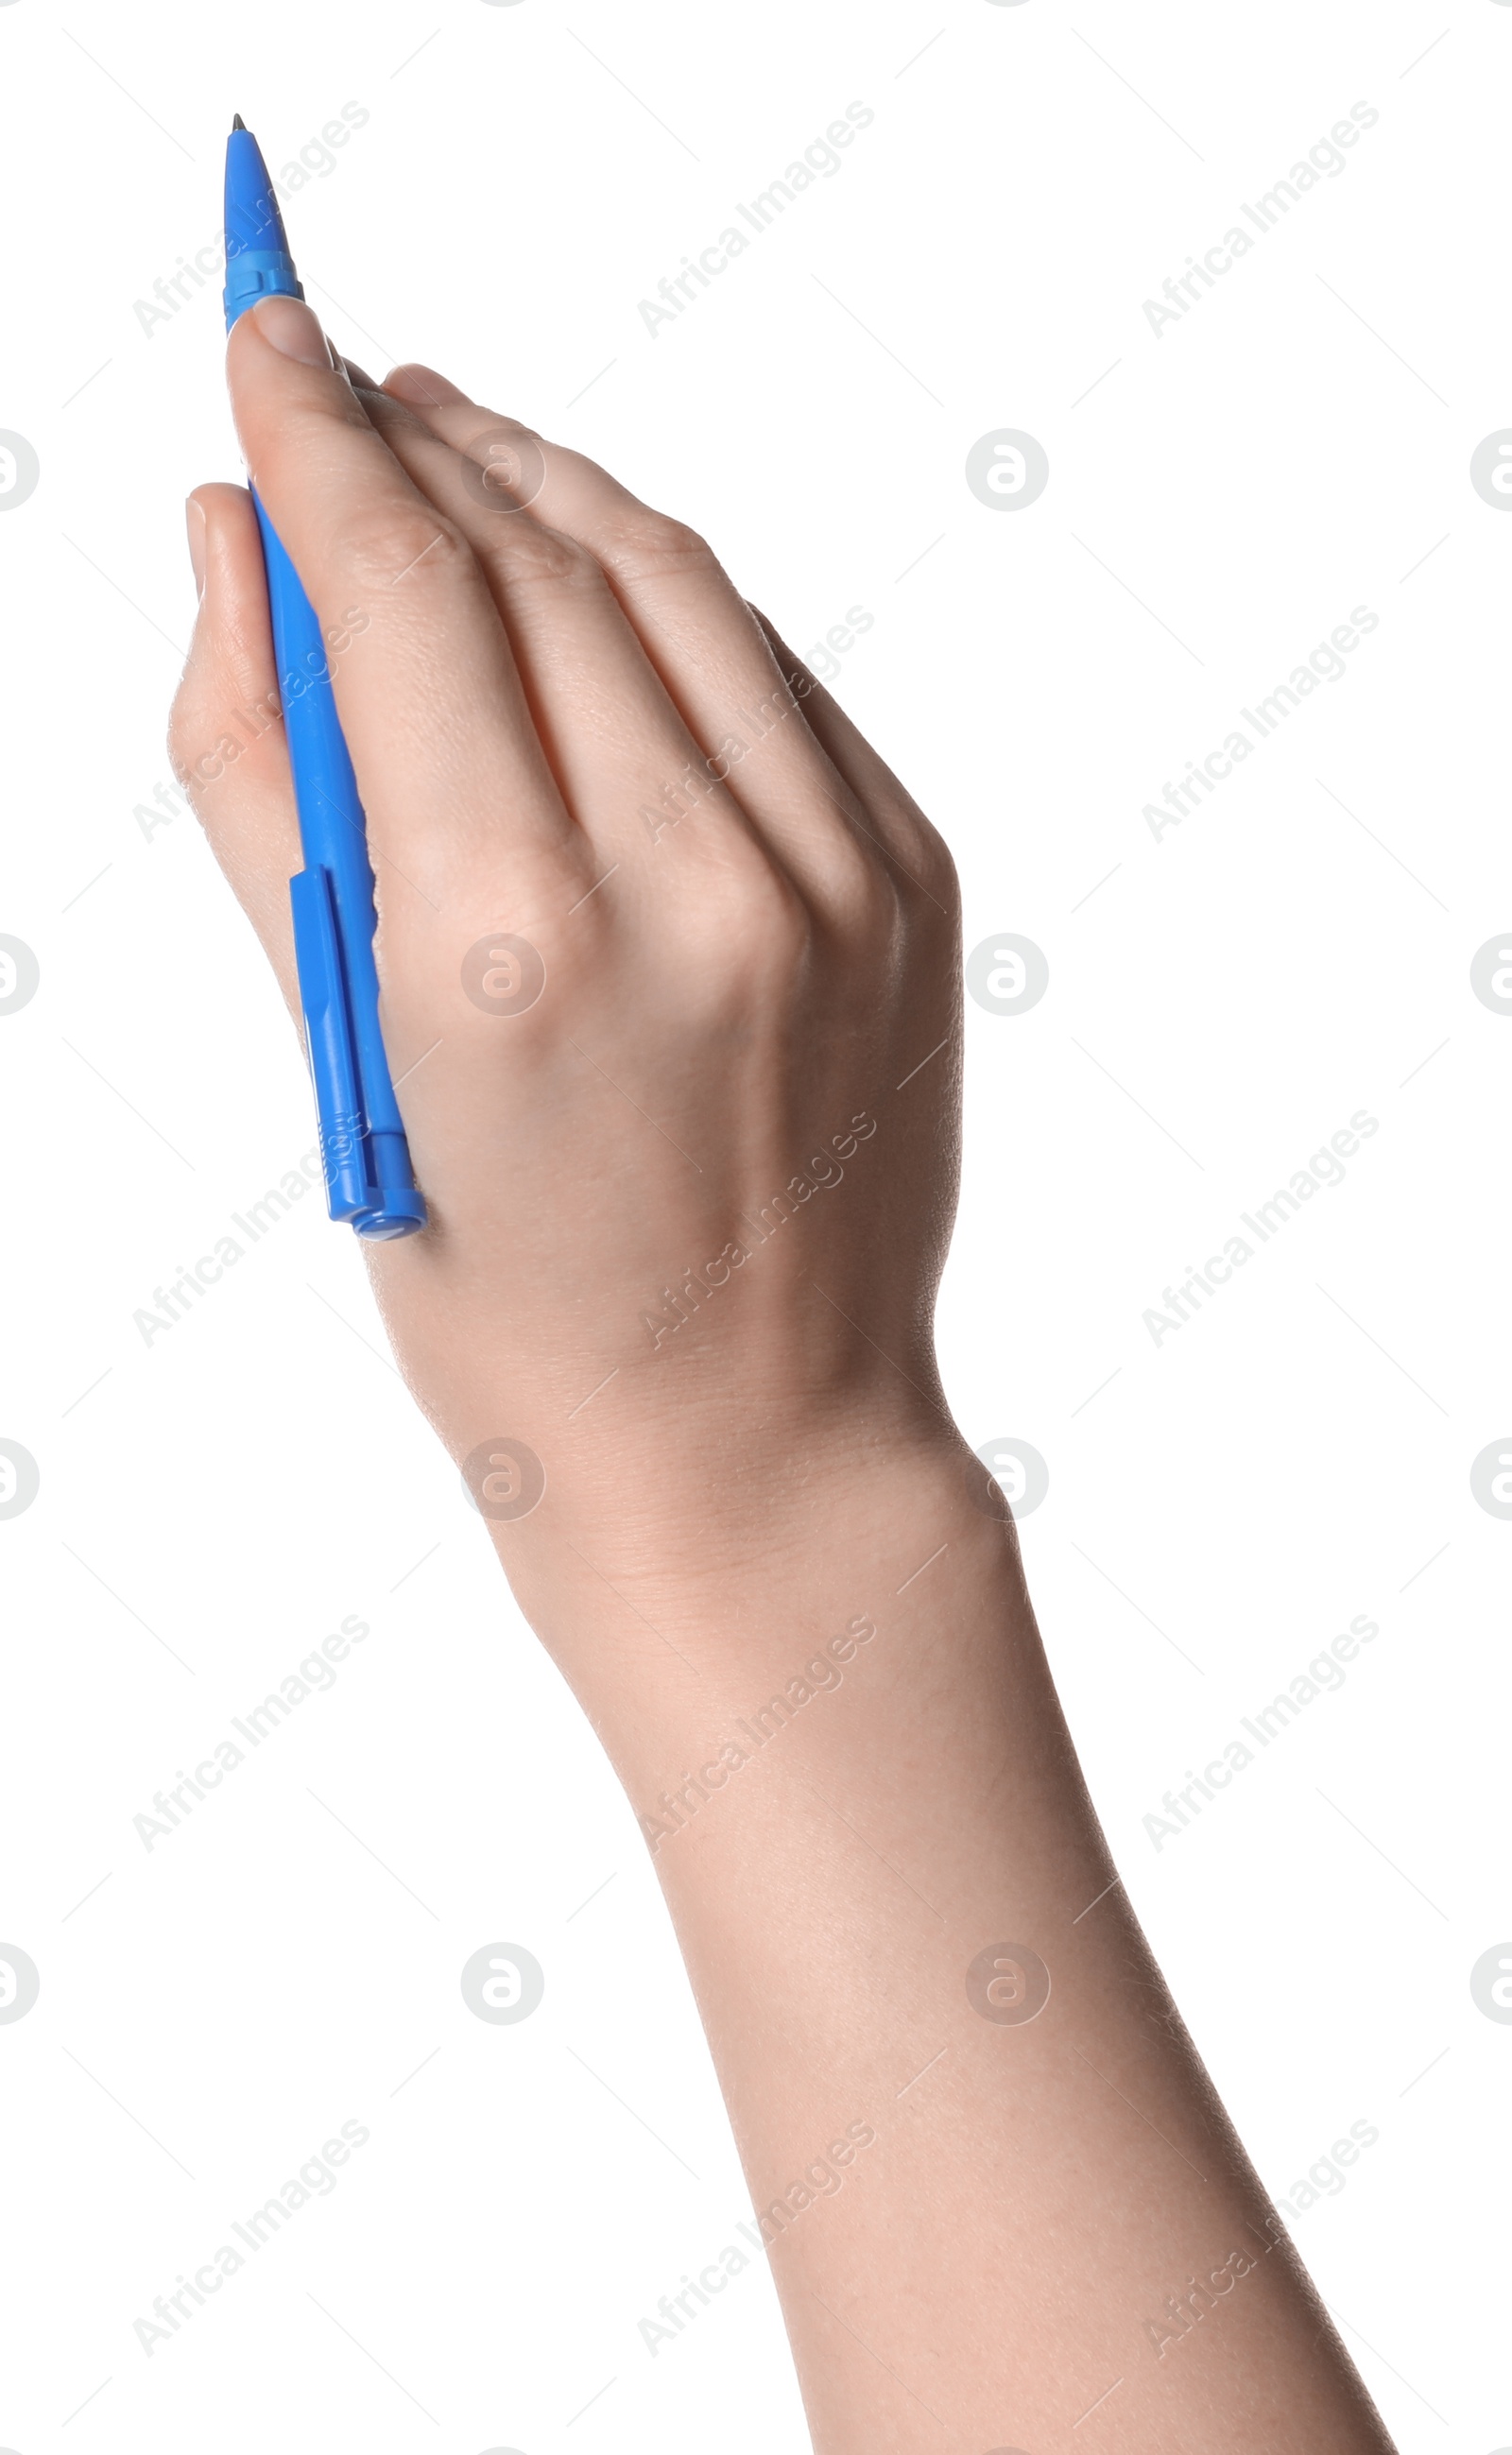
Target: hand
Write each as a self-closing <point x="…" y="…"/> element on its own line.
<point x="669" y="956"/>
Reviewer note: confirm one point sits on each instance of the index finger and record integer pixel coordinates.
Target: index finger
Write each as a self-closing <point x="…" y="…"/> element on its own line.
<point x="458" y="789"/>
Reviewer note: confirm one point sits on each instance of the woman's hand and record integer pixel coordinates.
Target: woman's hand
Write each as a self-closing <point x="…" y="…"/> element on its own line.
<point x="668" y="961"/>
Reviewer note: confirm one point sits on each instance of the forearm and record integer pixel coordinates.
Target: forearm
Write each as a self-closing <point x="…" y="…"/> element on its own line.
<point x="1035" y="2213"/>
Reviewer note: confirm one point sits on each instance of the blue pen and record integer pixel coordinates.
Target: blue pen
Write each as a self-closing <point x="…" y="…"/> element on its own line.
<point x="368" y="1176"/>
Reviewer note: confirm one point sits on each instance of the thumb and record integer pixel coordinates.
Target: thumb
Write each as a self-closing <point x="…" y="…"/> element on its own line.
<point x="225" y="733"/>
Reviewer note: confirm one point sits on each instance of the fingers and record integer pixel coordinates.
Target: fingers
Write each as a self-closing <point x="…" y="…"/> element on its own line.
<point x="699" y="636"/>
<point x="460" y="798"/>
<point x="225" y="736"/>
<point x="899" y="828"/>
<point x="617" y="744"/>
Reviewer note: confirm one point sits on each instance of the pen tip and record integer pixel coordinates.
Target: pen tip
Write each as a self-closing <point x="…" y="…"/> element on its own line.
<point x="239" y="122"/>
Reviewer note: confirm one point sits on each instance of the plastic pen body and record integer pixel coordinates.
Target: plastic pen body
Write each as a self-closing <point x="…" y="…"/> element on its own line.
<point x="369" y="1179"/>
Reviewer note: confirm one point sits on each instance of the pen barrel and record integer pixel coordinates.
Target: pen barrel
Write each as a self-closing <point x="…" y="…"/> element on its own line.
<point x="369" y="1179"/>
<point x="328" y="1041"/>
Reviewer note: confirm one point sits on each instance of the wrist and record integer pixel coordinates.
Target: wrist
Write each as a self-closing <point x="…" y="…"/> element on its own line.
<point x="822" y="1662"/>
<point x="702" y="1554"/>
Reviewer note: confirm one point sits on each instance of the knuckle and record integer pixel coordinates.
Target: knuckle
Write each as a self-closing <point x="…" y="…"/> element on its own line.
<point x="757" y="936"/>
<point x="523" y="553"/>
<point x="849" y="876"/>
<point x="644" y="544"/>
<point x="399" y="545"/>
<point x="921" y="851"/>
<point x="936" y="863"/>
<point x="865" y="892"/>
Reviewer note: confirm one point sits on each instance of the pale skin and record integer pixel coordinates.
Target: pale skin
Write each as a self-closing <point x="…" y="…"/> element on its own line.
<point x="751" y="986"/>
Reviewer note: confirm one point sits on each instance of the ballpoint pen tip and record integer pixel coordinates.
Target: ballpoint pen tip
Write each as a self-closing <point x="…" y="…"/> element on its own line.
<point x="239" y="122"/>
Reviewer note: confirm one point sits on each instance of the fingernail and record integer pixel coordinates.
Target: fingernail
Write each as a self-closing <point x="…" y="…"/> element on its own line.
<point x="194" y="523"/>
<point x="292" y="328"/>
<point x="423" y="386"/>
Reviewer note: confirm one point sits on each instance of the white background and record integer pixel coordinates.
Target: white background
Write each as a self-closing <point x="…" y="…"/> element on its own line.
<point x="1221" y="1000"/>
